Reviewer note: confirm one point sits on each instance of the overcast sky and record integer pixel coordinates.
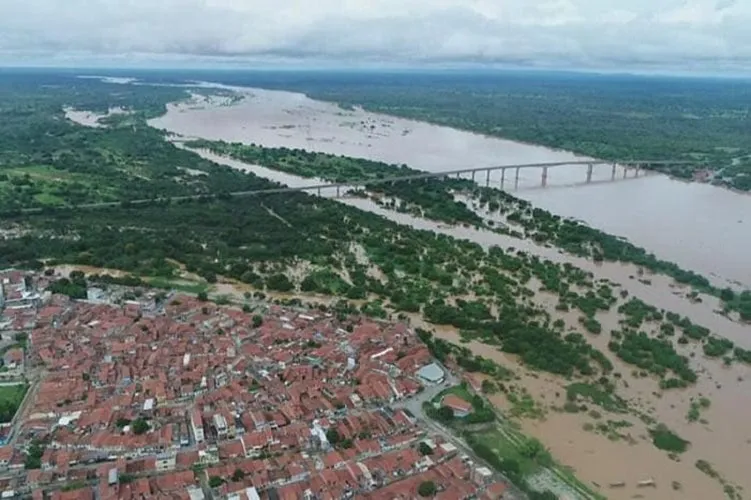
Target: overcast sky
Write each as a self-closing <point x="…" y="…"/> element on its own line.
<point x="697" y="35"/>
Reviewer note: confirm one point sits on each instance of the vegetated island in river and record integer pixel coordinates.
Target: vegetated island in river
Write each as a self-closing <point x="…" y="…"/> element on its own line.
<point x="435" y="199"/>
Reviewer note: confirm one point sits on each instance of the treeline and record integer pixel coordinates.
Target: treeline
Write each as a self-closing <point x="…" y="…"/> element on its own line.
<point x="582" y="240"/>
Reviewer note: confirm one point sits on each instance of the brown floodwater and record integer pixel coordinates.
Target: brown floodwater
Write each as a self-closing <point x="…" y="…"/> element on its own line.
<point x="89" y="118"/>
<point x="685" y="223"/>
<point x="724" y="442"/>
<point x="601" y="462"/>
<point x="700" y="227"/>
<point x="662" y="292"/>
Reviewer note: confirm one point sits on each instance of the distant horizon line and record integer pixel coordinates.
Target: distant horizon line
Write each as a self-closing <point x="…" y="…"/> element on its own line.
<point x="384" y="69"/>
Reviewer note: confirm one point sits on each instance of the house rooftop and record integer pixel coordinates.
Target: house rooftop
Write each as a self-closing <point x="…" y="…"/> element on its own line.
<point x="456" y="403"/>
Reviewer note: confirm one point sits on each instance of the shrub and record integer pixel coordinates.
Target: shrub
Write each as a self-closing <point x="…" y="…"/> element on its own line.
<point x="665" y="439"/>
<point x="427" y="489"/>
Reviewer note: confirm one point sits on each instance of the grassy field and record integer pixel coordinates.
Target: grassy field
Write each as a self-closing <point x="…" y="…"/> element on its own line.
<point x="11" y="397"/>
<point x="43" y="185"/>
<point x="458" y="390"/>
<point x="536" y="467"/>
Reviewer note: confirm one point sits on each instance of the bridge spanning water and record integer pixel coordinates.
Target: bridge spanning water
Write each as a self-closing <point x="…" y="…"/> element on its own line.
<point x="342" y="188"/>
<point x="476" y="174"/>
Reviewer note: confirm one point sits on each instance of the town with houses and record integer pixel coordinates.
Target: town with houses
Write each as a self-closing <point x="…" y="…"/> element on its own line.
<point x="167" y="396"/>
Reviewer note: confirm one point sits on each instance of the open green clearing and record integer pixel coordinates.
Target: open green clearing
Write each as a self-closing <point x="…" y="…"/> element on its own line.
<point x="11" y="397"/>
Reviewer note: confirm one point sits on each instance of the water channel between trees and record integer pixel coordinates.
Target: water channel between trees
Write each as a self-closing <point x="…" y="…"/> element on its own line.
<point x="703" y="228"/>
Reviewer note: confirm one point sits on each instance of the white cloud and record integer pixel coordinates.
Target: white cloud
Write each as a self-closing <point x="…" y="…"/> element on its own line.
<point x="597" y="33"/>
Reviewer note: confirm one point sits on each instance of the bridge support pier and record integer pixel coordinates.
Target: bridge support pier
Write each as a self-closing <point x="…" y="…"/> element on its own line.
<point x="487" y="178"/>
<point x="625" y="171"/>
<point x="544" y="176"/>
<point x="337" y="192"/>
<point x="503" y="176"/>
<point x="590" y="167"/>
<point x="636" y="172"/>
<point x="612" y="176"/>
<point x="319" y="191"/>
<point x="473" y="175"/>
<point x="516" y="182"/>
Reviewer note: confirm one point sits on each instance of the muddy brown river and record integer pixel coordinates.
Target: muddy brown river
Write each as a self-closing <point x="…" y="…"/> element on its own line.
<point x="700" y="227"/>
<point x="697" y="226"/>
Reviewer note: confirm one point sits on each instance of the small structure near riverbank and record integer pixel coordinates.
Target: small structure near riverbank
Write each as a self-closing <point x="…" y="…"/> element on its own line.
<point x="431" y="374"/>
<point x="459" y="406"/>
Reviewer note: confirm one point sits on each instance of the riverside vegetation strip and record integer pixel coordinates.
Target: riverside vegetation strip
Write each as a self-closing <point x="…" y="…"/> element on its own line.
<point x="434" y="199"/>
<point x="382" y="267"/>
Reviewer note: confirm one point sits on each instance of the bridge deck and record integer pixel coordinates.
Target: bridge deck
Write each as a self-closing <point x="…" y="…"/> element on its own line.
<point x="362" y="183"/>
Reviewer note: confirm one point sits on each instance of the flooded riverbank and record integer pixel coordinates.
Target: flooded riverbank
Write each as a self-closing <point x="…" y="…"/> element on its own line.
<point x="626" y="454"/>
<point x="597" y="458"/>
<point x="661" y="292"/>
<point x="701" y="227"/>
<point x="91" y="119"/>
<point x="722" y="436"/>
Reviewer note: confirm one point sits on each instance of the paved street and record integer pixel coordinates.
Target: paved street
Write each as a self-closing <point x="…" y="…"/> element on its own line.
<point x="414" y="405"/>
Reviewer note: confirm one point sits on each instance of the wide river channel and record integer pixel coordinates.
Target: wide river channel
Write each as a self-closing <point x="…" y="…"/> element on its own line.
<point x="700" y="227"/>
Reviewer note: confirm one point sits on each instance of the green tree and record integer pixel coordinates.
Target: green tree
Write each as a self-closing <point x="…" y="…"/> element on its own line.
<point x="203" y="296"/>
<point x="279" y="282"/>
<point x="427" y="489"/>
<point x="488" y="387"/>
<point x="531" y="448"/>
<point x="34" y="456"/>
<point x="424" y="449"/>
<point x="510" y="467"/>
<point x="333" y="436"/>
<point x="445" y="414"/>
<point x="238" y="475"/>
<point x="140" y="426"/>
<point x="727" y="295"/>
<point x="215" y="481"/>
<point x="257" y="320"/>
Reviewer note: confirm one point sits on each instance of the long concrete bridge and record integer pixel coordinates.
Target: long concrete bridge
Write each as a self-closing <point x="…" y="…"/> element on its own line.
<point x="341" y="188"/>
<point x="476" y="174"/>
